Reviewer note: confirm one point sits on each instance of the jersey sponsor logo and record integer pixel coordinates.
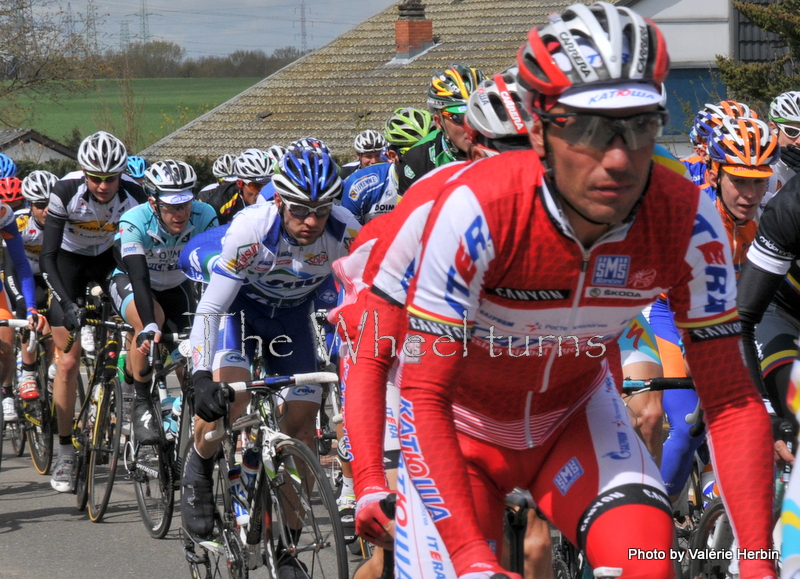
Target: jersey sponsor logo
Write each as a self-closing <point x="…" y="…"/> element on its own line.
<point x="713" y="332"/>
<point x="318" y="259"/>
<point x="622" y="293"/>
<point x="529" y="295"/>
<point x="128" y="249"/>
<point x="713" y="252"/>
<point x="361" y="184"/>
<point x="409" y="172"/>
<point x="95" y="226"/>
<point x="473" y="242"/>
<point x="611" y="270"/>
<point x="303" y="391"/>
<point x="621" y="94"/>
<point x="385" y="208"/>
<point x="279" y="262"/>
<point x="435" y="328"/>
<point x="244" y="253"/>
<point x="328" y="296"/>
<point x="624" y="451"/>
<point x="568" y="474"/>
<point x="643" y="278"/>
<point x="773" y="248"/>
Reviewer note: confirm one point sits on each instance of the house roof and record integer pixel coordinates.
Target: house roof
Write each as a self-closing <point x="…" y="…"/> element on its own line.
<point x="350" y="84"/>
<point x="10" y="137"/>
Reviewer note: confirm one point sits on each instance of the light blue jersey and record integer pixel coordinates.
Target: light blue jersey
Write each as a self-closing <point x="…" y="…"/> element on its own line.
<point x="141" y="234"/>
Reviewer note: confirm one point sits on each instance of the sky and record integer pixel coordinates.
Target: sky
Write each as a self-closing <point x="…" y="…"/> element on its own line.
<point x="219" y="27"/>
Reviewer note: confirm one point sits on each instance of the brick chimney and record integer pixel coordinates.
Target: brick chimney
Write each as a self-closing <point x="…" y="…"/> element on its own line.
<point x="413" y="33"/>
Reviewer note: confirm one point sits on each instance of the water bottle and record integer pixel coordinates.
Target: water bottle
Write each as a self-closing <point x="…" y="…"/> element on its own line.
<point x="250" y="464"/>
<point x="234" y="479"/>
<point x="170" y="423"/>
<point x="123" y="356"/>
<point x="708" y="482"/>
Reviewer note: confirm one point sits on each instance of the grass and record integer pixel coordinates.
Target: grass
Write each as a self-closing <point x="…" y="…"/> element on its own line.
<point x="161" y="106"/>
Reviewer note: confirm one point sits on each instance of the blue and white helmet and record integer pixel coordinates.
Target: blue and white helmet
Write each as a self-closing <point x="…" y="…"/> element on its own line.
<point x="309" y="143"/>
<point x="307" y="175"/>
<point x="7" y="167"/>
<point x="136" y="166"/>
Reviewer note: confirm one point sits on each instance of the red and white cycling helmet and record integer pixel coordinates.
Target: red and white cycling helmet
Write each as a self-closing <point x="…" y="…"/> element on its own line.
<point x="495" y="109"/>
<point x="600" y="56"/>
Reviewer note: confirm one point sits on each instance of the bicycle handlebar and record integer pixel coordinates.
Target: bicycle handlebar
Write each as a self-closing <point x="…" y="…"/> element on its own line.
<point x="21" y="325"/>
<point x="227" y="391"/>
<point x="657" y="384"/>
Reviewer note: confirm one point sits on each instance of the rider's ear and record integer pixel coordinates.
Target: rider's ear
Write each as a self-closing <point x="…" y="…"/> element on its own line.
<point x="537" y="138"/>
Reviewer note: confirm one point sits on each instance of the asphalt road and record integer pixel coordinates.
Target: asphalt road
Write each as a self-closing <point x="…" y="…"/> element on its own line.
<point x="44" y="536"/>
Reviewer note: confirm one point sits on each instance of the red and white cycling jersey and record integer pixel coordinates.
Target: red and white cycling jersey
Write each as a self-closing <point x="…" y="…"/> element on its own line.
<point x="384" y="253"/>
<point x="515" y="322"/>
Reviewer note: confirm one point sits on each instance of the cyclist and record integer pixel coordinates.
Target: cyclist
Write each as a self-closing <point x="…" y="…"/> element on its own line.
<point x="253" y="171"/>
<point x="784" y="119"/>
<point x="696" y="163"/>
<point x="7" y="166"/>
<point x="275" y="153"/>
<point x="404" y="129"/>
<point x="9" y="188"/>
<point x="447" y="102"/>
<point x="273" y="259"/>
<point x="558" y="250"/>
<point x="379" y="268"/>
<point x="136" y="166"/>
<point x="740" y="152"/>
<point x="83" y="217"/>
<point x="369" y="145"/>
<point x="148" y="287"/>
<point x="36" y="188"/>
<point x="222" y="170"/>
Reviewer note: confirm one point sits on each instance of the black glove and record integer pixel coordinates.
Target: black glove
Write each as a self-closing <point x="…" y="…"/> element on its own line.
<point x="72" y="317"/>
<point x="207" y="397"/>
<point x="790" y="155"/>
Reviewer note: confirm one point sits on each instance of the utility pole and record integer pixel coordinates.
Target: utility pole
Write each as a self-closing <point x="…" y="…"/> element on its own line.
<point x="303" y="36"/>
<point x="124" y="35"/>
<point x="144" y="24"/>
<point x="91" y="27"/>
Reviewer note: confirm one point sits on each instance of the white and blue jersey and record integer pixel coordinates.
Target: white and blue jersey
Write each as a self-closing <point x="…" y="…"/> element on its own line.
<point x="371" y="191"/>
<point x="140" y="233"/>
<point x="259" y="264"/>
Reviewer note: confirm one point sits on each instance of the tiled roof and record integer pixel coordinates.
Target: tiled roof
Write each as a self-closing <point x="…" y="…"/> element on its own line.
<point x="349" y="84"/>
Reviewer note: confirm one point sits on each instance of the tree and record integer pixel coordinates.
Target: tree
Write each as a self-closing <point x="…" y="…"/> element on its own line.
<point x="38" y="55"/>
<point x="155" y="59"/>
<point x="761" y="81"/>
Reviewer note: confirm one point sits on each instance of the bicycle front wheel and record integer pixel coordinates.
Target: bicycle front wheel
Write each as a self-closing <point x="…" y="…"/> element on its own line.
<point x="41" y="429"/>
<point x="713" y="533"/>
<point x="305" y="532"/>
<point x="153" y="482"/>
<point x="104" y="447"/>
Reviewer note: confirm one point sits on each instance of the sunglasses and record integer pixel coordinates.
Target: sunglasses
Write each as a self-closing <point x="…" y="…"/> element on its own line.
<point x="457" y="118"/>
<point x="177" y="208"/>
<point x="790" y="131"/>
<point x="40" y="204"/>
<point x="597" y="131"/>
<point x="97" y="179"/>
<point x="301" y="211"/>
<point x="255" y="185"/>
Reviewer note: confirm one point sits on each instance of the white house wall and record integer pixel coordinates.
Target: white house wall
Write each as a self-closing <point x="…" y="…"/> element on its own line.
<point x="33" y="151"/>
<point x="695" y="30"/>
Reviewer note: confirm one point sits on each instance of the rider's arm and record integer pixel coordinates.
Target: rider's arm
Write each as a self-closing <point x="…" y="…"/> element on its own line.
<point x="15" y="247"/>
<point x="705" y="308"/>
<point x="12" y="281"/>
<point x="446" y="291"/>
<point x="53" y="235"/>
<point x="129" y="249"/>
<point x="755" y="292"/>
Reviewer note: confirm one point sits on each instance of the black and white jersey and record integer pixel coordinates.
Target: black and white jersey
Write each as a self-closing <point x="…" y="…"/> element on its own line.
<point x="90" y="226"/>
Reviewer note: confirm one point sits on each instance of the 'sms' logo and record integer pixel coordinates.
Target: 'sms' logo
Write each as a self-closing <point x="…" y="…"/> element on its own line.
<point x="611" y="270"/>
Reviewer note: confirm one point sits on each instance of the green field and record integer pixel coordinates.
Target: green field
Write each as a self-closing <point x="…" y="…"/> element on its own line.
<point x="161" y="106"/>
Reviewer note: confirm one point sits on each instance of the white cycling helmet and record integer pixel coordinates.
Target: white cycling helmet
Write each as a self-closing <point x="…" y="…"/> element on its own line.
<point x="38" y="186"/>
<point x="275" y="153"/>
<point x="223" y="166"/>
<point x="369" y="141"/>
<point x="103" y="153"/>
<point x="253" y="165"/>
<point x="170" y="182"/>
<point x="496" y="108"/>
<point x="785" y="108"/>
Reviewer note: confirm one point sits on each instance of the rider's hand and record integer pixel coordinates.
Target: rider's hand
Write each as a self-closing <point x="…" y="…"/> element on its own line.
<point x="782" y="453"/>
<point x="488" y="571"/>
<point x="206" y="400"/>
<point x="143" y="339"/>
<point x="372" y="523"/>
<point x="36" y="322"/>
<point x="72" y="317"/>
<point x="790" y="155"/>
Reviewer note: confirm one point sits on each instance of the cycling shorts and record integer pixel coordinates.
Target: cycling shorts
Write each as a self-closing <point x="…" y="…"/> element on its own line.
<point x="76" y="271"/>
<point x="776" y="342"/>
<point x="176" y="302"/>
<point x="594" y="464"/>
<point x="285" y="337"/>
<point x="5" y="306"/>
